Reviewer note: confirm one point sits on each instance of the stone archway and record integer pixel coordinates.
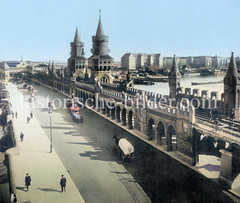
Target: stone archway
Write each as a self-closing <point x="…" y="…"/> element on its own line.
<point x="104" y="79"/>
<point x="118" y="113"/>
<point x="103" y="107"/>
<point x="171" y="138"/>
<point x="130" y="120"/>
<point x="108" y="109"/>
<point x="113" y="111"/>
<point x="160" y="133"/>
<point x="151" y="129"/>
<point x="124" y="112"/>
<point x="94" y="101"/>
<point x="83" y="96"/>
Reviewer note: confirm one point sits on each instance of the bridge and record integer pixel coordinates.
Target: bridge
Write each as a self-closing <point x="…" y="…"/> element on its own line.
<point x="177" y="127"/>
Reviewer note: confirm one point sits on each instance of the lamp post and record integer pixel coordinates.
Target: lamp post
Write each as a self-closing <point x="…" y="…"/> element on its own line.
<point x="50" y="110"/>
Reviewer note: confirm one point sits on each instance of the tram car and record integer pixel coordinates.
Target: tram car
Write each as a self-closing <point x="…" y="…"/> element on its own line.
<point x="74" y="110"/>
<point x="76" y="114"/>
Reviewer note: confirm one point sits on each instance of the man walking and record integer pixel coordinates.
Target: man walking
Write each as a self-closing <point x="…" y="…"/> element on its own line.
<point x="27" y="181"/>
<point x="63" y="183"/>
<point x="28" y="119"/>
<point x="16" y="114"/>
<point x="31" y="114"/>
<point x="21" y="136"/>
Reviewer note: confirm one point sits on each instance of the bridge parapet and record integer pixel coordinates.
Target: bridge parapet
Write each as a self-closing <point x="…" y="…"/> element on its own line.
<point x="196" y="93"/>
<point x="187" y="91"/>
<point x="215" y="95"/>
<point x="90" y="87"/>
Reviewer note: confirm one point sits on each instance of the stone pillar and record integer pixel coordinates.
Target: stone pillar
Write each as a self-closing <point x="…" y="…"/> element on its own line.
<point x="225" y="177"/>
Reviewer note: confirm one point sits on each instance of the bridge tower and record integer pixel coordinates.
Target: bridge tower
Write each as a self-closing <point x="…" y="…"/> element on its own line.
<point x="100" y="62"/>
<point x="173" y="79"/>
<point x="77" y="61"/>
<point x="232" y="89"/>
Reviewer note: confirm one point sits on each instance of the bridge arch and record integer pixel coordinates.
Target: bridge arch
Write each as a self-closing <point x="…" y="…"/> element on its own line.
<point x="171" y="137"/>
<point x="151" y="129"/>
<point x="118" y="114"/>
<point x="103" y="107"/>
<point x="160" y="132"/>
<point x="86" y="95"/>
<point x="113" y="111"/>
<point x="130" y="120"/>
<point x="108" y="109"/>
<point x="124" y="114"/>
<point x="94" y="101"/>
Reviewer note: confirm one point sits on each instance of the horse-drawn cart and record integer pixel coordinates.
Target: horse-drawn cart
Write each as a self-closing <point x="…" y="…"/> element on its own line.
<point x="125" y="147"/>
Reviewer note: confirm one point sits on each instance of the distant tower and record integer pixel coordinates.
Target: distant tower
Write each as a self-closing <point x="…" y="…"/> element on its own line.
<point x="173" y="79"/>
<point x="232" y="89"/>
<point x="100" y="62"/>
<point x="77" y="59"/>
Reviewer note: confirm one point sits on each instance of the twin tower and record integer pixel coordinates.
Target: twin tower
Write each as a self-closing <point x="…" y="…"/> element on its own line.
<point x="99" y="65"/>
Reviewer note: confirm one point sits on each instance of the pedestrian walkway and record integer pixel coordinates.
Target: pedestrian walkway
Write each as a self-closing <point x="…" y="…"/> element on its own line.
<point x="34" y="158"/>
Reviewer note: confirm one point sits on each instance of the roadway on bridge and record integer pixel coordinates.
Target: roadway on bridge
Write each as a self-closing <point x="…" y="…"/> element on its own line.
<point x="88" y="152"/>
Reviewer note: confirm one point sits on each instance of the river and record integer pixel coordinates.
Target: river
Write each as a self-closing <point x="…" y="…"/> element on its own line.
<point x="185" y="81"/>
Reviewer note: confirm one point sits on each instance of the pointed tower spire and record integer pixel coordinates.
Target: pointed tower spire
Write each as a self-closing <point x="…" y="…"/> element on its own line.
<point x="100" y="31"/>
<point x="77" y="36"/>
<point x="174" y="68"/>
<point x="232" y="68"/>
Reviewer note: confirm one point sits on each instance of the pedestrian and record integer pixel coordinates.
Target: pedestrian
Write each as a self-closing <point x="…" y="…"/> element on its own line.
<point x="12" y="114"/>
<point x="28" y="119"/>
<point x="63" y="183"/>
<point x="27" y="181"/>
<point x="21" y="136"/>
<point x="31" y="114"/>
<point x="16" y="114"/>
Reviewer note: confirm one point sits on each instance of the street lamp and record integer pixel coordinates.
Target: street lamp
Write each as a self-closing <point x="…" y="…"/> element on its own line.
<point x="50" y="110"/>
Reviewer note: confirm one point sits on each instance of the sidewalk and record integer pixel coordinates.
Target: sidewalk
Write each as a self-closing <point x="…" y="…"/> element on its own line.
<point x="34" y="158"/>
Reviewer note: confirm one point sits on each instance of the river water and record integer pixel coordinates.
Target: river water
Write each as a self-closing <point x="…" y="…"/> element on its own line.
<point x="185" y="81"/>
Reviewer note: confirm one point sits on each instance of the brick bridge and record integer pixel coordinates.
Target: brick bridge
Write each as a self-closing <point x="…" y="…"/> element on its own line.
<point x="175" y="127"/>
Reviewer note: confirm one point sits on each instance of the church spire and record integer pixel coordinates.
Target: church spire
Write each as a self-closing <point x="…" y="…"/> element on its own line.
<point x="100" y="31"/>
<point x="77" y="36"/>
<point x="232" y="68"/>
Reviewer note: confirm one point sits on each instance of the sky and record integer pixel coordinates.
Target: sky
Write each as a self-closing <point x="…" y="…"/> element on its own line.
<point x="42" y="30"/>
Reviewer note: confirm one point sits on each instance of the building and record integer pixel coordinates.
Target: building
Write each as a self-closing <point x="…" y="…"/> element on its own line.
<point x="101" y="63"/>
<point x="232" y="89"/>
<point x="9" y="68"/>
<point x="132" y="61"/>
<point x="77" y="63"/>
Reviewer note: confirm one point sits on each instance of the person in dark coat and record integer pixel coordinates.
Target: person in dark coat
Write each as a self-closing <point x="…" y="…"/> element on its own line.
<point x="21" y="136"/>
<point x="31" y="114"/>
<point x="27" y="181"/>
<point x="63" y="183"/>
<point x="28" y="119"/>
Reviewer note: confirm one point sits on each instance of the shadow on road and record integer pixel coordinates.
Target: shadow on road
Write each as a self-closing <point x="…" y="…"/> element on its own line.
<point x="49" y="190"/>
<point x="21" y="188"/>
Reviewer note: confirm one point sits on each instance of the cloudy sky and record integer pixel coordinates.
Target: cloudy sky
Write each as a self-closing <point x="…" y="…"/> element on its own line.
<point x="43" y="29"/>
